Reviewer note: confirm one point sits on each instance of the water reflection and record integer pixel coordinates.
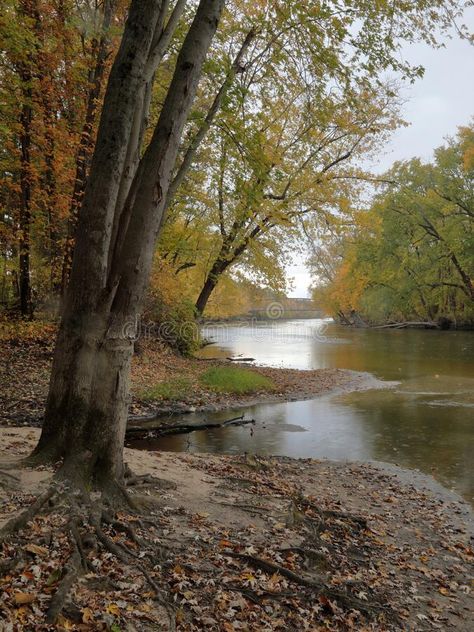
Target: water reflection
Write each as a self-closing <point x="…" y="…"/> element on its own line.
<point x="425" y="422"/>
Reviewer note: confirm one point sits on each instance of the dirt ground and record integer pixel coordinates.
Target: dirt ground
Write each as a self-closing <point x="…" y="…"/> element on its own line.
<point x="253" y="544"/>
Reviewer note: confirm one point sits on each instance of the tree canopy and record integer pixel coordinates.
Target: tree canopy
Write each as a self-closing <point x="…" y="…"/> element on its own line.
<point x="292" y="95"/>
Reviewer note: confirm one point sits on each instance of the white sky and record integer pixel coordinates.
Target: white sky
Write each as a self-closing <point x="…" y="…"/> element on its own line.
<point x="436" y="105"/>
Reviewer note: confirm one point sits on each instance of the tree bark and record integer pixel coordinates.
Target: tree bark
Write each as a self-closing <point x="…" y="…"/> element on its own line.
<point x="210" y="284"/>
<point x="231" y="250"/>
<point x="70" y="406"/>
<point x="88" y="397"/>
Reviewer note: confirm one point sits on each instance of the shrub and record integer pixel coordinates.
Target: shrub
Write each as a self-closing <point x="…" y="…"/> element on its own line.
<point x="169" y="313"/>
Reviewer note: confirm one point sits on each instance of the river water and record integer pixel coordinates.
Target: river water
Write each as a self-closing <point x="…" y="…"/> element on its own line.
<point x="424" y="420"/>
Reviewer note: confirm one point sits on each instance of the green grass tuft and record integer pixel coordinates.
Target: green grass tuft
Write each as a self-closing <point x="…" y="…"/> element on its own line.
<point x="235" y="380"/>
<point x="175" y="389"/>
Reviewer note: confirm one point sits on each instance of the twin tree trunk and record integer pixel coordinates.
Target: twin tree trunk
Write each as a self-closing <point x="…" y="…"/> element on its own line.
<point x="88" y="398"/>
<point x="86" y="143"/>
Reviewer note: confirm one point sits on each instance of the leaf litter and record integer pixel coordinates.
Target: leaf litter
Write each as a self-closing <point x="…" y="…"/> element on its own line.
<point x="250" y="543"/>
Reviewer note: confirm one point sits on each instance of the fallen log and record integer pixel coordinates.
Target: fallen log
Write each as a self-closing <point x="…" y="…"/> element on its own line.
<point x="410" y="323"/>
<point x="241" y="359"/>
<point x="161" y="430"/>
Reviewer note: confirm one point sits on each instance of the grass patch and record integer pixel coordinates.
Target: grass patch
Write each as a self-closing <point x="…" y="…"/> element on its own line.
<point x="174" y="389"/>
<point x="235" y="380"/>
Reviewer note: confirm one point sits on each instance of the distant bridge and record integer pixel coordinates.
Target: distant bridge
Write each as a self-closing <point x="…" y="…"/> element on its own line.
<point x="281" y="312"/>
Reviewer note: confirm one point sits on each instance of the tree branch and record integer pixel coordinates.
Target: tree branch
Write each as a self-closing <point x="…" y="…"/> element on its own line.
<point x="190" y="154"/>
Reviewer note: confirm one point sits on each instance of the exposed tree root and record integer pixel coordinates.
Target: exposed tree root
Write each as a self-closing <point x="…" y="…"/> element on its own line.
<point x="342" y="598"/>
<point x="271" y="567"/>
<point x="9" y="477"/>
<point x="108" y="518"/>
<point x="258" y="597"/>
<point x="85" y="532"/>
<point x="95" y="533"/>
<point x="17" y="523"/>
<point x="305" y="503"/>
<point x="315" y="557"/>
<point x="74" y="569"/>
<point x="143" y="480"/>
<point x="131" y="558"/>
<point x="12" y="465"/>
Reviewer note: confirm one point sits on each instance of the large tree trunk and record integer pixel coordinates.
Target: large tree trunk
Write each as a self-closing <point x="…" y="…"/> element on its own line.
<point x="86" y="143"/>
<point x="70" y="409"/>
<point x="88" y="398"/>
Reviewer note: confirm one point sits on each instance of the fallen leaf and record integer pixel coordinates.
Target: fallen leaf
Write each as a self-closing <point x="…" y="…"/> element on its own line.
<point x="324" y="601"/>
<point x="54" y="577"/>
<point x="87" y="615"/>
<point x="37" y="550"/>
<point x="65" y="623"/>
<point x="21" y="598"/>
<point x="112" y="608"/>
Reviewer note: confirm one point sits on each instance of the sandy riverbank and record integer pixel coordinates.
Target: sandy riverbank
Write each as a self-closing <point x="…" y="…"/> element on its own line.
<point x="352" y="537"/>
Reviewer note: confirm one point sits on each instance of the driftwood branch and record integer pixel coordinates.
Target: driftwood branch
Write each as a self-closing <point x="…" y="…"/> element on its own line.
<point x="411" y="323"/>
<point x="160" y="431"/>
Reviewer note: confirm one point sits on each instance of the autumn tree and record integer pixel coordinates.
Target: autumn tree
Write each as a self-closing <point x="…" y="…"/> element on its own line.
<point x="86" y="412"/>
<point x="87" y="404"/>
<point x="409" y="256"/>
<point x="55" y="59"/>
<point x="309" y="102"/>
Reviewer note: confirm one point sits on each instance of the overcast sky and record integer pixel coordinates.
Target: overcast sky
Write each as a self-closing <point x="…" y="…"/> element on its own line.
<point x="436" y="105"/>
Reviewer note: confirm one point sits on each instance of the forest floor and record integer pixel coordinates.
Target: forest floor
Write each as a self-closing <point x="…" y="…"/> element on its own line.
<point x="235" y="543"/>
<point x="26" y="364"/>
